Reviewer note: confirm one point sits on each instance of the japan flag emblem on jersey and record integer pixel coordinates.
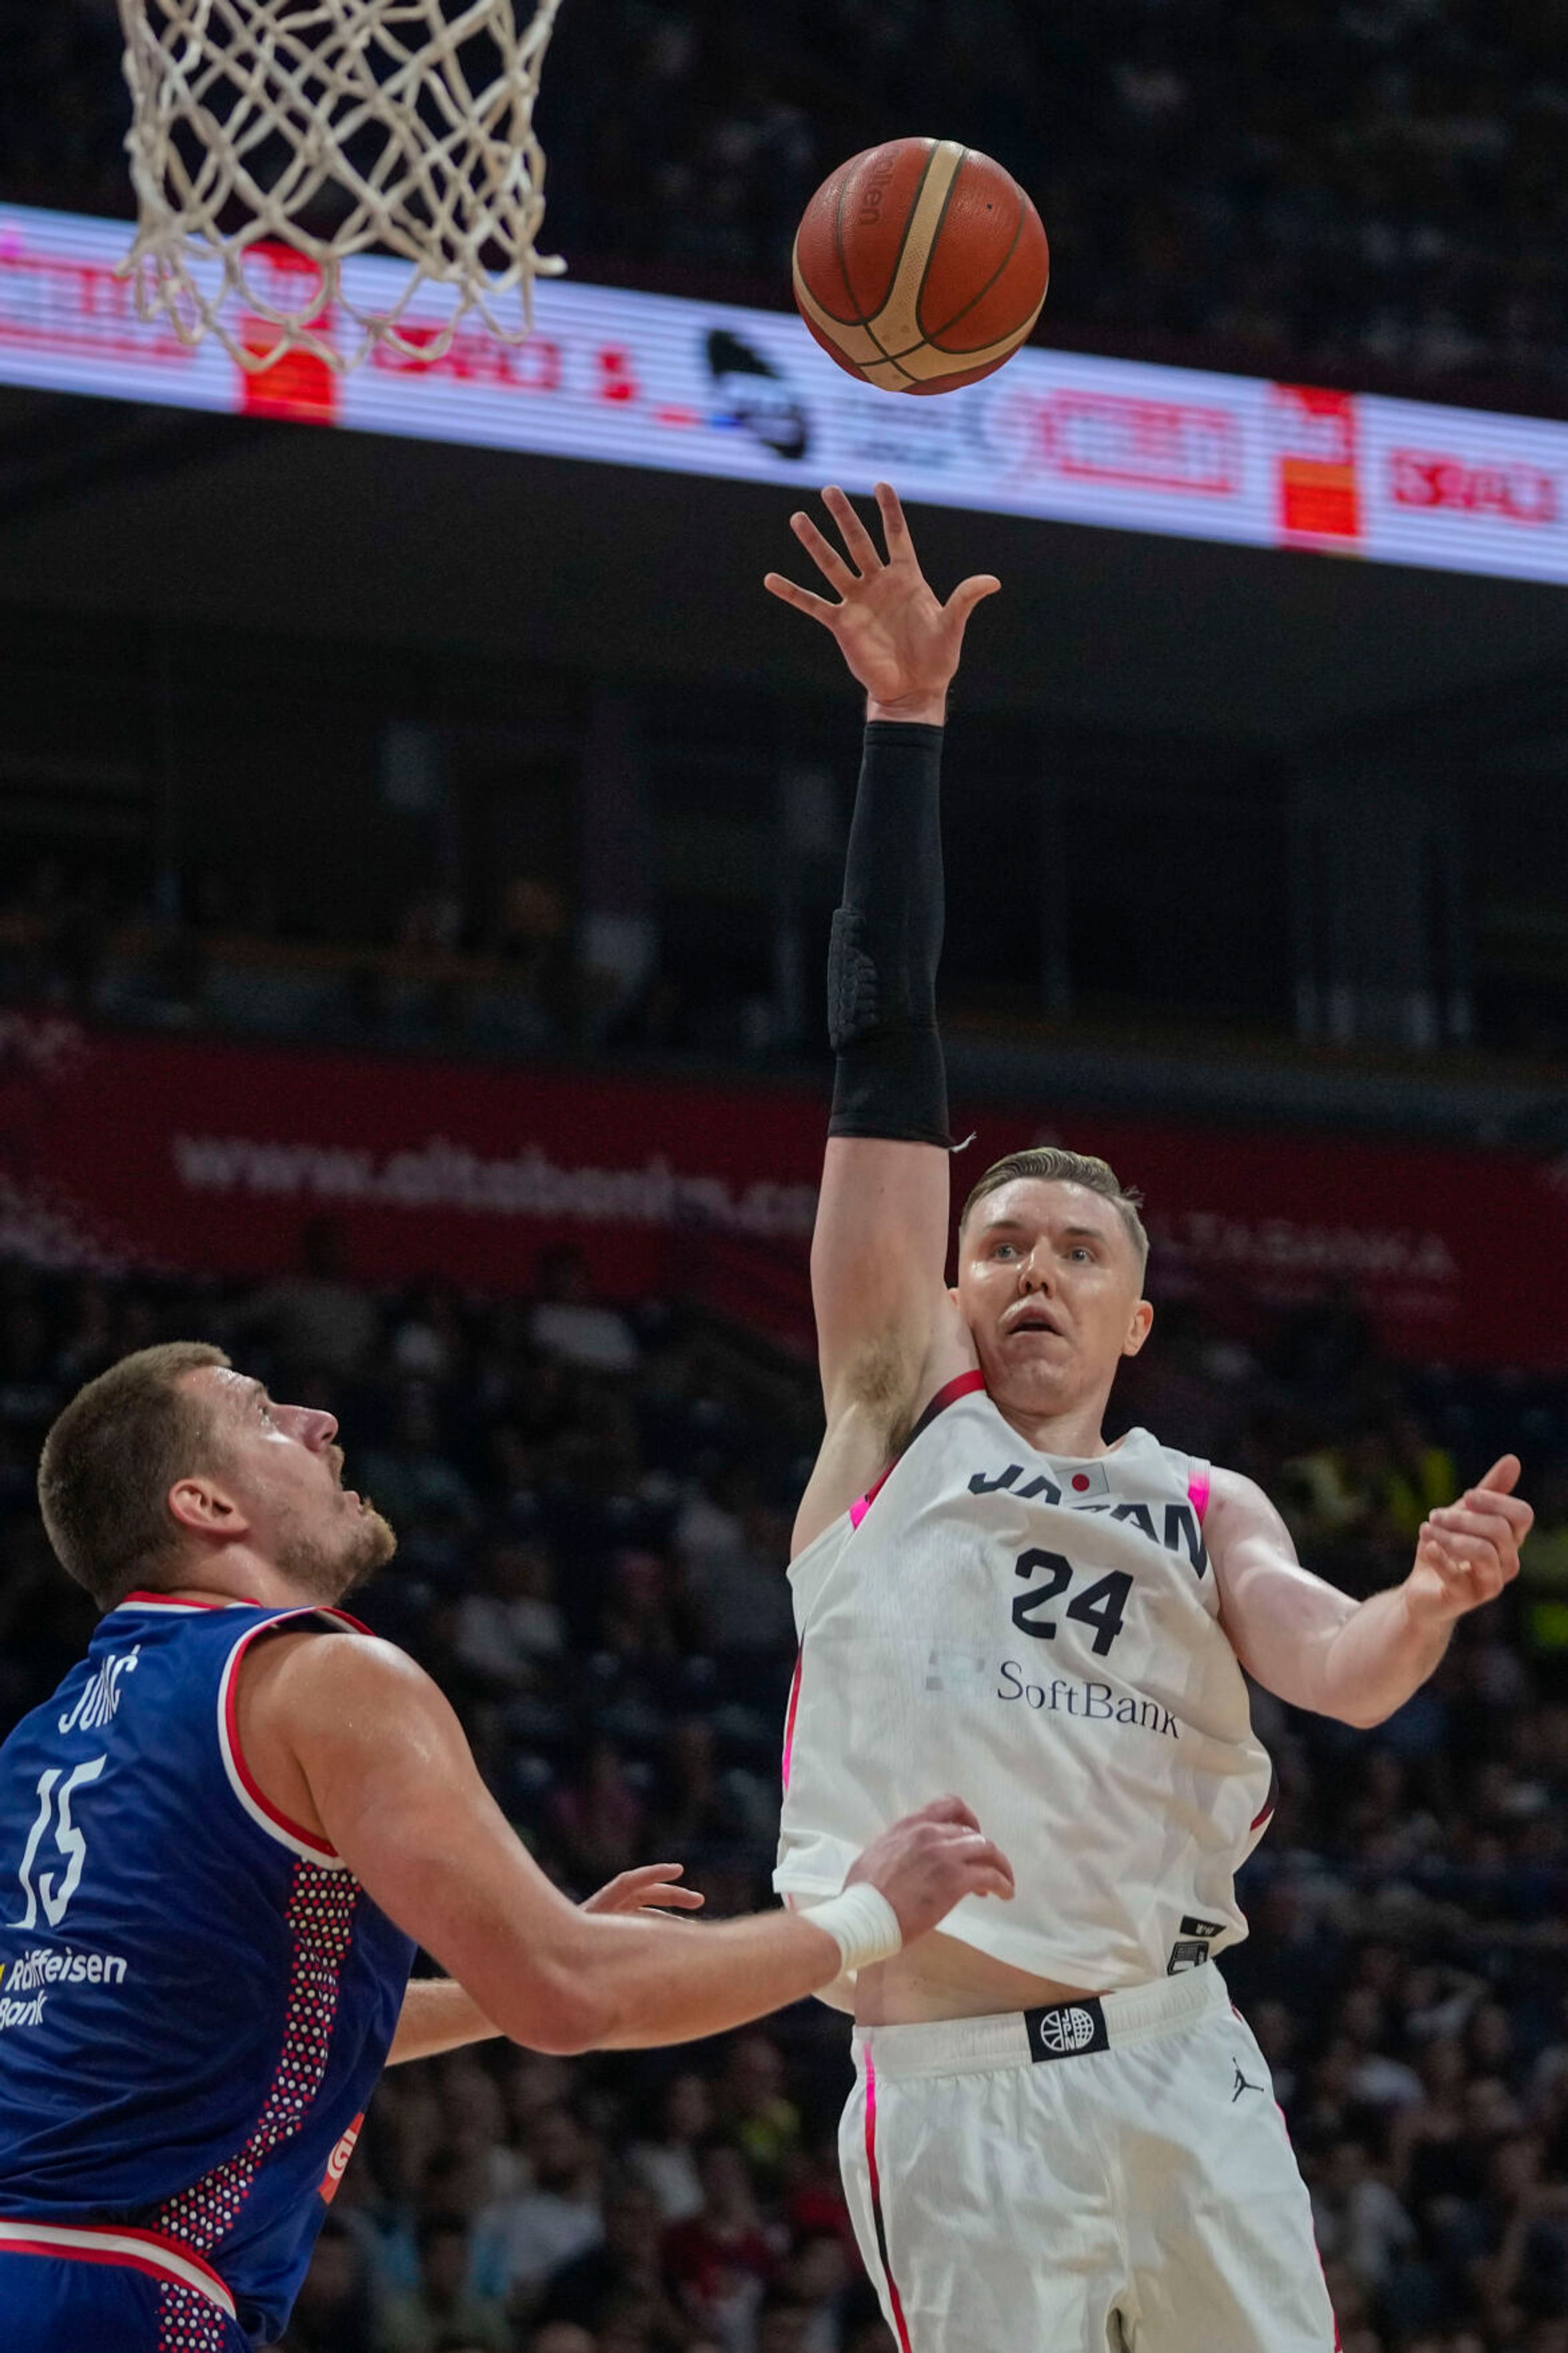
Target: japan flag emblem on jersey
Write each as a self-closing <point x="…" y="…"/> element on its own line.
<point x="1087" y="1480"/>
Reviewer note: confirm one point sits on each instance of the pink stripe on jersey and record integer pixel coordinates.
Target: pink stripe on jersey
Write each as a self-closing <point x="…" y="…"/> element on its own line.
<point x="1199" y="1491"/>
<point x="790" y="1716"/>
<point x="894" y="2298"/>
<point x="962" y="1385"/>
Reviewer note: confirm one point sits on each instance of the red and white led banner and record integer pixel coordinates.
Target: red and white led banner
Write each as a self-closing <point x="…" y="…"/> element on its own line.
<point x="191" y="1156"/>
<point x="707" y="388"/>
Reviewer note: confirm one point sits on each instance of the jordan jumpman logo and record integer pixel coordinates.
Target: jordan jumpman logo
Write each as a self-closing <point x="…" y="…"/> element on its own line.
<point x="1243" y="2083"/>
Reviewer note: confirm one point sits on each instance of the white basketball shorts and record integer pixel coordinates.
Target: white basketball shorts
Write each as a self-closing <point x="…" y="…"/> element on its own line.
<point x="1099" y="2177"/>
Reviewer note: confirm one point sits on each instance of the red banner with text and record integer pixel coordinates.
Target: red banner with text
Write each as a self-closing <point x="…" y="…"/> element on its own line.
<point x="191" y="1156"/>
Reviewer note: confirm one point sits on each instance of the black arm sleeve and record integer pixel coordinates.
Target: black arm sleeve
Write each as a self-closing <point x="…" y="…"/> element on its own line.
<point x="887" y="939"/>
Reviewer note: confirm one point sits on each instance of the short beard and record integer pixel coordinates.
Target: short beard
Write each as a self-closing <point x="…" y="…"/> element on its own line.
<point x="330" y="1574"/>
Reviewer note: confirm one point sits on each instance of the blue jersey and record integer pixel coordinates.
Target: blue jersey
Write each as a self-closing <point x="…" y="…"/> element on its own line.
<point x="197" y="1996"/>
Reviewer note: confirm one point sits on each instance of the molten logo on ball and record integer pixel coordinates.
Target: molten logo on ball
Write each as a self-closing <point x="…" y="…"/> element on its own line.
<point x="920" y="266"/>
<point x="871" y="195"/>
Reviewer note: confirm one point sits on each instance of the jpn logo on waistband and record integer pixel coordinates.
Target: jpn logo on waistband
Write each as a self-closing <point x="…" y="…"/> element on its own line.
<point x="1066" y="2030"/>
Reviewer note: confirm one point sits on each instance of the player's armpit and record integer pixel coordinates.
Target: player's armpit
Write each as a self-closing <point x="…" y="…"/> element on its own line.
<point x="395" y="1790"/>
<point x="1281" y="1620"/>
<point x="888" y="1334"/>
<point x="874" y="1396"/>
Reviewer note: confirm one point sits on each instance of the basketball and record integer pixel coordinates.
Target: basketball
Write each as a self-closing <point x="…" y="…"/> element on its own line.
<point x="920" y="266"/>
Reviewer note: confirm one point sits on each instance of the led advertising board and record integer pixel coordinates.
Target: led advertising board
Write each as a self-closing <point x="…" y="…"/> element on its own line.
<point x="650" y="380"/>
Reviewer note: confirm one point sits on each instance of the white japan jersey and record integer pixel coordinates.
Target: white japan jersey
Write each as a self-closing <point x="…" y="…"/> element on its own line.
<point x="1040" y="1636"/>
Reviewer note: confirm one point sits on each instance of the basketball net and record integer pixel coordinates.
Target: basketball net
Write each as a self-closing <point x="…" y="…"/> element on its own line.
<point x="272" y="141"/>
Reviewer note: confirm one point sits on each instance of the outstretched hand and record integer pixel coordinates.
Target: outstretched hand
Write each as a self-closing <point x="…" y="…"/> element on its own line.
<point x="900" y="640"/>
<point x="931" y="1860"/>
<point x="650" y="1887"/>
<point x="1467" y="1551"/>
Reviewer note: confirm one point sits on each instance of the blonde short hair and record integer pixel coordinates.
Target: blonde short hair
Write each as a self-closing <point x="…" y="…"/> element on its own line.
<point x="1051" y="1164"/>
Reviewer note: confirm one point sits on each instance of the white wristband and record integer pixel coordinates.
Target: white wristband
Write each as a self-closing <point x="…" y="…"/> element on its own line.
<point x="862" y="1923"/>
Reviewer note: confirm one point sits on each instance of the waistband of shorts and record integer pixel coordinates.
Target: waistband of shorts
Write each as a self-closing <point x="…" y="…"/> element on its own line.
<point x="1061" y="2029"/>
<point x="114" y="2243"/>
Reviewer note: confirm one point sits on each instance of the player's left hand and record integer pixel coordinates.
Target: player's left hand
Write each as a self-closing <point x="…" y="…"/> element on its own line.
<point x="898" y="637"/>
<point x="1467" y="1551"/>
<point x="650" y="1888"/>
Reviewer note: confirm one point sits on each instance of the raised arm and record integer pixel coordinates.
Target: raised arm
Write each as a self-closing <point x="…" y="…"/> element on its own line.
<point x="887" y="1333"/>
<point x="354" y="1742"/>
<point x="1312" y="1645"/>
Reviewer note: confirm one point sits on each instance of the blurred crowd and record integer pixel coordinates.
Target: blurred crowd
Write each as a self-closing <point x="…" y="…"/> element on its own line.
<point x="198" y="953"/>
<point x="594" y="1500"/>
<point x="1368" y="185"/>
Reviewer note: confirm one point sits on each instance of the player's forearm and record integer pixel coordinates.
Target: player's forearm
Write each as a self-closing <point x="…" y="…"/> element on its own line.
<point x="648" y="1982"/>
<point x="436" y="2015"/>
<point x="886" y="941"/>
<point x="1379" y="1658"/>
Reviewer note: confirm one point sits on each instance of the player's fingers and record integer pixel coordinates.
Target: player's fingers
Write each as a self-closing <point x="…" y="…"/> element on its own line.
<point x="824" y="555"/>
<point x="1503" y="1476"/>
<point x="1480" y="1527"/>
<point x="803" y="601"/>
<point x="1461" y="1544"/>
<point x="676" y="1899"/>
<point x="988" y="1870"/>
<point x="895" y="526"/>
<point x="856" y="538"/>
<point x="1512" y="1510"/>
<point x="1473" y="1572"/>
<point x="649" y="1874"/>
<point x="948" y="1809"/>
<point x="970" y="593"/>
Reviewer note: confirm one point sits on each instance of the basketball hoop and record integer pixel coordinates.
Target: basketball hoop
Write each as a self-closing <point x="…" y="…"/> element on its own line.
<point x="273" y="141"/>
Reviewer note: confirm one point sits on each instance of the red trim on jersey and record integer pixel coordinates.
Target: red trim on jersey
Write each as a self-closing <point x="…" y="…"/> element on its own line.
<point x="86" y="2242"/>
<point x="252" y="1789"/>
<point x="1198" y="1493"/>
<point x="962" y="1385"/>
<point x="1271" y="1800"/>
<point x="893" y="2296"/>
<point x="170" y="1601"/>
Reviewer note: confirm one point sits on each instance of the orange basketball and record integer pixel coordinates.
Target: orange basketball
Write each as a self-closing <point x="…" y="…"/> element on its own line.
<point x="919" y="265"/>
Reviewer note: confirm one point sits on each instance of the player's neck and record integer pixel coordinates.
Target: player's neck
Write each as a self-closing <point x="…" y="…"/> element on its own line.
<point x="1073" y="1433"/>
<point x="244" y="1576"/>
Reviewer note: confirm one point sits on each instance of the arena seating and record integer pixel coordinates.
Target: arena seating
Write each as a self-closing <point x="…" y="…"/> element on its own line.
<point x="595" y="1502"/>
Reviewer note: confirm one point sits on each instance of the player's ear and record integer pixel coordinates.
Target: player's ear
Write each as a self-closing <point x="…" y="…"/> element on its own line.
<point x="1137" y="1330"/>
<point x="202" y="1507"/>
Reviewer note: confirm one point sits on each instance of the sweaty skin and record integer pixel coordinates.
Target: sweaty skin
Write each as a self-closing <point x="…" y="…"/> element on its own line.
<point x="890" y="1331"/>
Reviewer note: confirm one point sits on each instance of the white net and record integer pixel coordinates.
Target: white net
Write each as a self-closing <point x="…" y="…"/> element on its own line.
<point x="274" y="140"/>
